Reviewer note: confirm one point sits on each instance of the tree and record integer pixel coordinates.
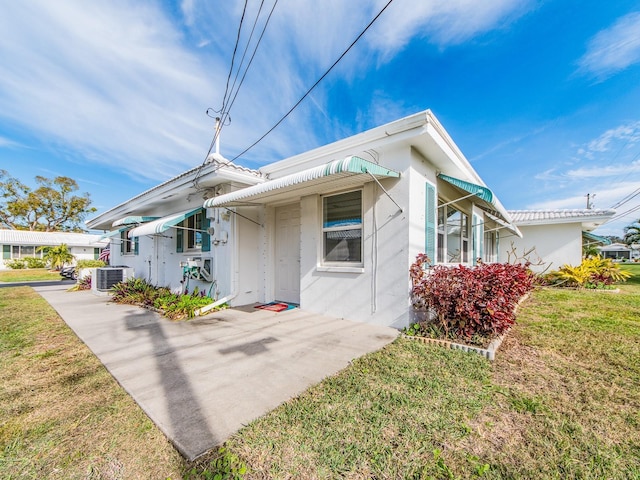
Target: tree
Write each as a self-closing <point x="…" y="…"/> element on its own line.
<point x="50" y="207"/>
<point x="632" y="233"/>
<point x="57" y="256"/>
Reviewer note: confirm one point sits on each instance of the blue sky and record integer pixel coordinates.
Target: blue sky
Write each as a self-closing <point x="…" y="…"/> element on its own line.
<point x="543" y="97"/>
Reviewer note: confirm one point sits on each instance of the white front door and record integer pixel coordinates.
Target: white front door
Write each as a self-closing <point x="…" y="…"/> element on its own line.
<point x="287" y="259"/>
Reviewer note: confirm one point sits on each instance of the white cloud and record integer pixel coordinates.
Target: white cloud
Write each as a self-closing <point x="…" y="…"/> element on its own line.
<point x="111" y="79"/>
<point x="125" y="84"/>
<point x="8" y="143"/>
<point x="613" y="49"/>
<point x="600" y="171"/>
<point x="443" y="23"/>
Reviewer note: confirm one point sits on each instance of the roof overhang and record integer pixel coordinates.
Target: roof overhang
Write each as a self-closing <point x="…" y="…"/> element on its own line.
<point x="162" y="224"/>
<point x="349" y="172"/>
<point x="484" y="198"/>
<point x="132" y="220"/>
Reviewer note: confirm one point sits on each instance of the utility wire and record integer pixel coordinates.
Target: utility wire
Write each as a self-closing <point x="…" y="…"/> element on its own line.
<point x="226" y="108"/>
<point x="233" y="57"/>
<point x="628" y="198"/>
<point x="315" y="84"/>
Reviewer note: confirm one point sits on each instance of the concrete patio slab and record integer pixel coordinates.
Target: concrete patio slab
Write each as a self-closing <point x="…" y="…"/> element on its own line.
<point x="202" y="380"/>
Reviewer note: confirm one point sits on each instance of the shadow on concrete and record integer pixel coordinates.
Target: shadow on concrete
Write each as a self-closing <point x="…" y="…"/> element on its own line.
<point x="188" y="428"/>
<point x="250" y="348"/>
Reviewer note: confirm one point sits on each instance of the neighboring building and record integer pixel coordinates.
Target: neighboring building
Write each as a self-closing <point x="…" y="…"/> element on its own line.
<point x="334" y="229"/>
<point x="620" y="251"/>
<point x="555" y="236"/>
<point x="26" y="243"/>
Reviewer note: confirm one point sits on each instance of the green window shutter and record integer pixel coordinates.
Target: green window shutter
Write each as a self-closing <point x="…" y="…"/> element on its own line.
<point x="179" y="239"/>
<point x="206" y="238"/>
<point x="123" y="238"/>
<point x="136" y="245"/>
<point x="6" y="251"/>
<point x="430" y="223"/>
<point x="96" y="253"/>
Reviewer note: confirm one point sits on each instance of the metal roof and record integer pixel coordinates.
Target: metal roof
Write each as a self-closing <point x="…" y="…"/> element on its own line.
<point x="27" y="237"/>
<point x="537" y="217"/>
<point x="348" y="172"/>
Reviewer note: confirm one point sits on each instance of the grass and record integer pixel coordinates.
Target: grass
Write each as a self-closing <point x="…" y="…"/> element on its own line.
<point x="62" y="415"/>
<point x="28" y="275"/>
<point x="562" y="400"/>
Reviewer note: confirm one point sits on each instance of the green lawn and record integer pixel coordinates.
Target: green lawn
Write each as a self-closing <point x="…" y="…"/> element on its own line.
<point x="28" y="275"/>
<point x="562" y="400"/>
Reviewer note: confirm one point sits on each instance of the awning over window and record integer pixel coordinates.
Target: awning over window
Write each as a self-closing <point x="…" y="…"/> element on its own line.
<point x="113" y="233"/>
<point x="479" y="191"/>
<point x="132" y="220"/>
<point x="595" y="239"/>
<point x="483" y="197"/>
<point x="162" y="224"/>
<point x="349" y="172"/>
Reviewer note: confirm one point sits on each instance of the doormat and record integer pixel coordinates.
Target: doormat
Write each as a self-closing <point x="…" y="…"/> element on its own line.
<point x="276" y="306"/>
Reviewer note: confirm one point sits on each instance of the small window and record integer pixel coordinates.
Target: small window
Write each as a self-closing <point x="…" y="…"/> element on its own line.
<point x="128" y="246"/>
<point x="453" y="235"/>
<point x="194" y="231"/>
<point x="342" y="228"/>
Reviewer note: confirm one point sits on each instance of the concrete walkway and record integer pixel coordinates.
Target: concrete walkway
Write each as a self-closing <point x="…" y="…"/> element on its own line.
<point x="202" y="380"/>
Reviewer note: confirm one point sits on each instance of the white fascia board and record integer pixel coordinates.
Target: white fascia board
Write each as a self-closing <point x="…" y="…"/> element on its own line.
<point x="352" y="144"/>
<point x="180" y="183"/>
<point x="584" y="221"/>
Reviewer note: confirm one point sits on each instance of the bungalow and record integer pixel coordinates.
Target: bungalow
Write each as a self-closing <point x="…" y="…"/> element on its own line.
<point x="333" y="230"/>
<point x="554" y="237"/>
<point x="18" y="244"/>
<point x="620" y="251"/>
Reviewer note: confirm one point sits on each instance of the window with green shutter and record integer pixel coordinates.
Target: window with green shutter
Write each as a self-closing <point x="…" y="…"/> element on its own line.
<point x="430" y="222"/>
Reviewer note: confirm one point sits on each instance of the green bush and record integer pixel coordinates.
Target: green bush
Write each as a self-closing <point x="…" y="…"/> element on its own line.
<point x="594" y="272"/>
<point x="34" y="262"/>
<point x="16" y="264"/>
<point x="138" y="291"/>
<point x="90" y="264"/>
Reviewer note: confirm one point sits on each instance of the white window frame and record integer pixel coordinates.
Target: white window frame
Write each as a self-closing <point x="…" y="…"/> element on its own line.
<point x="193" y="232"/>
<point x="346" y="265"/>
<point x="442" y="237"/>
<point x="128" y="244"/>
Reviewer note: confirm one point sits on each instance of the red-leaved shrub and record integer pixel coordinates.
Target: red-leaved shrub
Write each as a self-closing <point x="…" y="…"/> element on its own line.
<point x="470" y="301"/>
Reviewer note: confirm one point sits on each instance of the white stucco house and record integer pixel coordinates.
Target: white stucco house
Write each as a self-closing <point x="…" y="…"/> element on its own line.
<point x="333" y="230"/>
<point x="620" y="251"/>
<point x="24" y="243"/>
<point x="557" y="236"/>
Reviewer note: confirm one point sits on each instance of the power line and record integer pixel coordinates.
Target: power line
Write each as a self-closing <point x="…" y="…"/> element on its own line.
<point x="225" y="110"/>
<point x="628" y="198"/>
<point x="315" y="84"/>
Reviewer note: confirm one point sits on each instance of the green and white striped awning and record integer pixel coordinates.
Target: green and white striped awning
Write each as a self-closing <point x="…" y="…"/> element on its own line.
<point x="482" y="197"/>
<point x="112" y="233"/>
<point x="478" y="190"/>
<point x="594" y="239"/>
<point x="132" y="220"/>
<point x="349" y="172"/>
<point x="162" y="224"/>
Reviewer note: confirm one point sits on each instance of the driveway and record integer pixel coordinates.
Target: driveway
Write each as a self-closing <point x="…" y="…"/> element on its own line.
<point x="202" y="380"/>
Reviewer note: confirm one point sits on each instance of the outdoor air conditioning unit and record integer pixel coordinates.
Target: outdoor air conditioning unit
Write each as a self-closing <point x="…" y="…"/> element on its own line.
<point x="107" y="277"/>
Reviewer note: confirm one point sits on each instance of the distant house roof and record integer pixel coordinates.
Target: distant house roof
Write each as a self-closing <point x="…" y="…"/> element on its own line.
<point x="589" y="218"/>
<point x="615" y="247"/>
<point x="26" y="237"/>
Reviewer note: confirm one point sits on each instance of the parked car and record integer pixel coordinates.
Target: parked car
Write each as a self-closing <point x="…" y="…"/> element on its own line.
<point x="69" y="272"/>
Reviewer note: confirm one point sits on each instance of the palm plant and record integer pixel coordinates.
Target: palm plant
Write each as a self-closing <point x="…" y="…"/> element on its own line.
<point x="57" y="256"/>
<point x="632" y="233"/>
